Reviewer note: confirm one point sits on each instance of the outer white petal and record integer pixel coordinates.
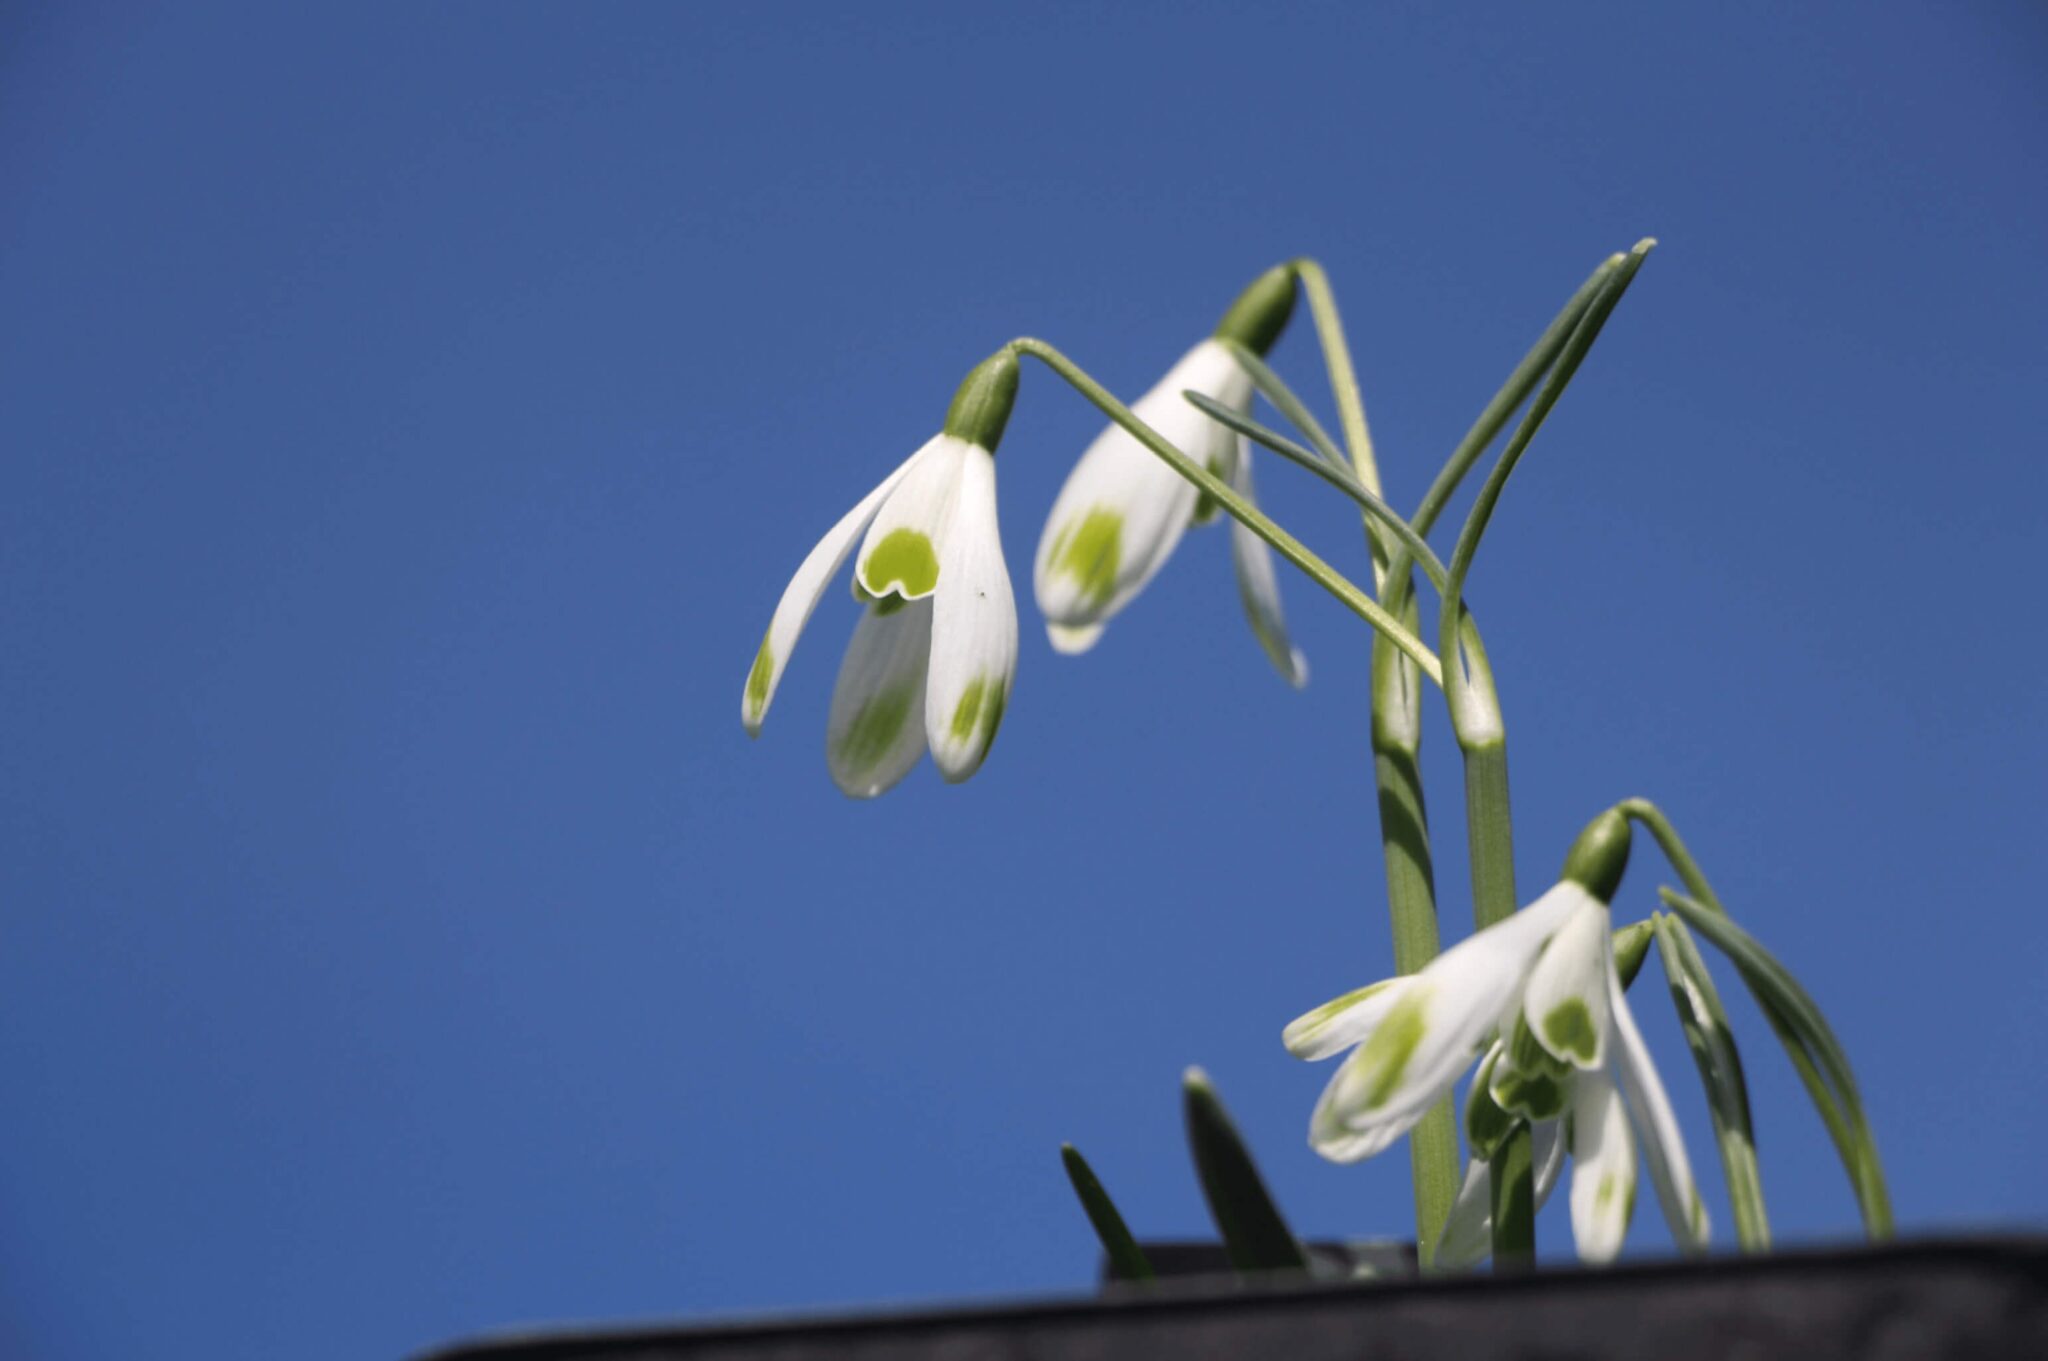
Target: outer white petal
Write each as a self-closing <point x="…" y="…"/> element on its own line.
<point x="1565" y="1002"/>
<point x="873" y="736"/>
<point x="1467" y="1238"/>
<point x="1258" y="585"/>
<point x="1340" y="1023"/>
<point x="1603" y="1168"/>
<point x="1428" y="1034"/>
<point x="901" y="554"/>
<point x="801" y="596"/>
<point x="974" y="627"/>
<point x="1073" y="640"/>
<point x="1650" y="1110"/>
<point x="1468" y="1232"/>
<point x="1123" y="510"/>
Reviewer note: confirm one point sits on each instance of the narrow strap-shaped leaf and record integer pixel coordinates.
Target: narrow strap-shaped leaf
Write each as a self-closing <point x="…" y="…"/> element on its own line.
<point x="1127" y="1260"/>
<point x="1705" y="1023"/>
<point x="1336" y="474"/>
<point x="1583" y="333"/>
<point x="1503" y="405"/>
<point x="1255" y="1235"/>
<point x="1275" y="390"/>
<point x="1811" y="1043"/>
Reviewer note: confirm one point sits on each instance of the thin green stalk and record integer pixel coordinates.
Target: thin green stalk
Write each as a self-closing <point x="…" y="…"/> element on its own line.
<point x="1382" y="517"/>
<point x="1322" y="306"/>
<point x="1491" y="844"/>
<point x="1411" y="906"/>
<point x="1324" y="575"/>
<point x="1396" y="734"/>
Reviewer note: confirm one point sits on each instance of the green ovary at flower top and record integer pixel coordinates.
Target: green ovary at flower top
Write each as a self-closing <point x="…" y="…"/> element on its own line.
<point x="1564" y="1054"/>
<point x="1122" y="510"/>
<point x="935" y="652"/>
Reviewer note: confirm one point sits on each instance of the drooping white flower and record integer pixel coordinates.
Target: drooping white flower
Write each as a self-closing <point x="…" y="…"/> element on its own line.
<point x="933" y="657"/>
<point x="1123" y="510"/>
<point x="1542" y="988"/>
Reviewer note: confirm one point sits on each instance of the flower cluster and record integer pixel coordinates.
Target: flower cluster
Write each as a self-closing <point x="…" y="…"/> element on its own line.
<point x="1539" y="996"/>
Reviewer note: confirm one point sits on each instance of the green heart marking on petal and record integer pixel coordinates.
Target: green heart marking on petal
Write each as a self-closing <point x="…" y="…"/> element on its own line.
<point x="1569" y="1027"/>
<point x="1486" y="1124"/>
<point x="905" y="561"/>
<point x="1393" y="1042"/>
<point x="758" y="678"/>
<point x="875" y="728"/>
<point x="1090" y="553"/>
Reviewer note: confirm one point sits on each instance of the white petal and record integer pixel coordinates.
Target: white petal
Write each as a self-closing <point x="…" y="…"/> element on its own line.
<point x="1603" y="1168"/>
<point x="1258" y="586"/>
<point x="1650" y="1110"/>
<point x="800" y="597"/>
<point x="1565" y="1002"/>
<point x="1338" y="1024"/>
<point x="901" y="553"/>
<point x="873" y="736"/>
<point x="1073" y="641"/>
<point x="1467" y="1238"/>
<point x="1123" y="510"/>
<point x="974" y="627"/>
<point x="1428" y="1035"/>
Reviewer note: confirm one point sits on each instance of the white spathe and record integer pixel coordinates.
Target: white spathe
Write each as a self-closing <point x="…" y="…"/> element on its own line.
<point x="933" y="658"/>
<point x="1122" y="512"/>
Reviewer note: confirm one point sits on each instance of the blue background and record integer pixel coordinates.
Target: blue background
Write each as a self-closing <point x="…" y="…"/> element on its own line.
<point x="410" y="415"/>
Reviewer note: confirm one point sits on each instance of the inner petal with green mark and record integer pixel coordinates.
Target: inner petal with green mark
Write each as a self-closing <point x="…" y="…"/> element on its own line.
<point x="1090" y="552"/>
<point x="1569" y="1028"/>
<point x="875" y="728"/>
<point x="905" y="562"/>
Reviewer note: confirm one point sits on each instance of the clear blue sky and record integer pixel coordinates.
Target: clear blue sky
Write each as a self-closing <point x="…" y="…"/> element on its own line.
<point x="409" y="416"/>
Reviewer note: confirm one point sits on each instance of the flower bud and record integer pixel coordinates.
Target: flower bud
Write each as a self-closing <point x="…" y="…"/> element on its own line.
<point x="981" y="406"/>
<point x="1260" y="313"/>
<point x="1600" y="855"/>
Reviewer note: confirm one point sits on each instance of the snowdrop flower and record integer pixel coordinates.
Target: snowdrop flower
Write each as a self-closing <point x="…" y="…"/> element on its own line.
<point x="936" y="648"/>
<point x="1541" y="988"/>
<point x="1123" y="510"/>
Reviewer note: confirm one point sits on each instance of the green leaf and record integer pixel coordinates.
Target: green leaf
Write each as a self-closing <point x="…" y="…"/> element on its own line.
<point x="1126" y="1259"/>
<point x="1255" y="1235"/>
<point x="1336" y="474"/>
<point x="1811" y="1044"/>
<point x="1275" y="390"/>
<point x="1705" y="1023"/>
<point x="1584" y="331"/>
